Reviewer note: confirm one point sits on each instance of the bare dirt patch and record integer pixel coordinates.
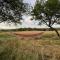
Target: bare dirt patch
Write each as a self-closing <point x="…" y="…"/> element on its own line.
<point x="28" y="34"/>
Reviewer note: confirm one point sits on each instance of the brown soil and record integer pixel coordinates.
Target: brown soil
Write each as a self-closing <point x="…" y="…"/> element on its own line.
<point x="28" y="33"/>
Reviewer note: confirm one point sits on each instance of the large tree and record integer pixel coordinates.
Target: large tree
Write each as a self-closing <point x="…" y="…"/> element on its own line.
<point x="11" y="10"/>
<point x="48" y="11"/>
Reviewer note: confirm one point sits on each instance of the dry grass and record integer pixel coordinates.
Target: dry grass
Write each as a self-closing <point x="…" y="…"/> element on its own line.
<point x="47" y="47"/>
<point x="28" y="50"/>
<point x="36" y="35"/>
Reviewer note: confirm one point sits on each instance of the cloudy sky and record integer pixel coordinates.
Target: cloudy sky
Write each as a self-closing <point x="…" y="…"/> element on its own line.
<point x="31" y="2"/>
<point x="26" y="22"/>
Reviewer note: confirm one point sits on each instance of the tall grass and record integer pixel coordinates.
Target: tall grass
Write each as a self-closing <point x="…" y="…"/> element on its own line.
<point x="44" y="48"/>
<point x="19" y="50"/>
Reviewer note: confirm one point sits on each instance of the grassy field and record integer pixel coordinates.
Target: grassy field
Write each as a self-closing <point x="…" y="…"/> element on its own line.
<point x="15" y="46"/>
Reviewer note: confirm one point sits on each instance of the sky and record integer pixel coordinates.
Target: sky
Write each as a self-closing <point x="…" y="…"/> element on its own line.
<point x="31" y="2"/>
<point x="26" y="22"/>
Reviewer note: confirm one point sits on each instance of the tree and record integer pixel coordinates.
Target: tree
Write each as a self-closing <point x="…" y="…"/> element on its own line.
<point x="11" y="10"/>
<point x="48" y="11"/>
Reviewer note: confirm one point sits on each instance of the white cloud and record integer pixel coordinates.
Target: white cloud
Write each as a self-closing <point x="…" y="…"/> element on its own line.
<point x="26" y="23"/>
<point x="31" y="2"/>
<point x="7" y="26"/>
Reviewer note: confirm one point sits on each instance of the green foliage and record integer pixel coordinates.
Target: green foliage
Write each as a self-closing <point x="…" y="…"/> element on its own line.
<point x="49" y="8"/>
<point x="52" y="7"/>
<point x="37" y="10"/>
<point x="47" y="11"/>
<point x="14" y="3"/>
<point x="11" y="10"/>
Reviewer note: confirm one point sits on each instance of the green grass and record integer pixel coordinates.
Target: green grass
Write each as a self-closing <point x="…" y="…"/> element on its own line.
<point x="46" y="47"/>
<point x="6" y="36"/>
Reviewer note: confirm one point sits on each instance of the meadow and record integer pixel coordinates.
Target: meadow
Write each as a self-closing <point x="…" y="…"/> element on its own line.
<point x="24" y="46"/>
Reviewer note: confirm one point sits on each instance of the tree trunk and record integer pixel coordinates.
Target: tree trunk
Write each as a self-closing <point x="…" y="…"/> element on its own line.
<point x="49" y="17"/>
<point x="53" y="28"/>
<point x="55" y="31"/>
<point x="49" y="25"/>
<point x="49" y="22"/>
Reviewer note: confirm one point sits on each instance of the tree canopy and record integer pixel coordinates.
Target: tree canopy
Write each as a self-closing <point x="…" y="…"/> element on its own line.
<point x="11" y="10"/>
<point x="47" y="11"/>
<point x="49" y="8"/>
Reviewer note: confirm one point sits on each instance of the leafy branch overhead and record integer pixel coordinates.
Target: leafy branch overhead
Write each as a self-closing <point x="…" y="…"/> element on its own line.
<point x="47" y="11"/>
<point x="11" y="10"/>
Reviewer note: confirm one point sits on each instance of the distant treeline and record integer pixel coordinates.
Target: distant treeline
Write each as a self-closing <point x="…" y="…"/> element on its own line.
<point x="30" y="29"/>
